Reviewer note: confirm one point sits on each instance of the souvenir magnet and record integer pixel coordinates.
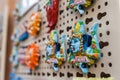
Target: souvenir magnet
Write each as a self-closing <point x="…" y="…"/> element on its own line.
<point x="34" y="23"/>
<point x="79" y="5"/>
<point x="84" y="49"/>
<point x="14" y="77"/>
<point x="56" y="50"/>
<point x="32" y="56"/>
<point x="14" y="57"/>
<point x="21" y="57"/>
<point x="20" y="34"/>
<point x="52" y="9"/>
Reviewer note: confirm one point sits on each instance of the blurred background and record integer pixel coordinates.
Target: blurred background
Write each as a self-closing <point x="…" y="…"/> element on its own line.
<point x="6" y="27"/>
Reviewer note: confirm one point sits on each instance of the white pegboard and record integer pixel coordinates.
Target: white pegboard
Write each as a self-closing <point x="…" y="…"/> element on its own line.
<point x="106" y="12"/>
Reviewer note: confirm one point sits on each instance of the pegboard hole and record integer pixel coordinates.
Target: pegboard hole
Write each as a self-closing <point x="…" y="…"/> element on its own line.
<point x="99" y="6"/>
<point x="67" y="14"/>
<point x="39" y="40"/>
<point x="71" y="19"/>
<point x="76" y="17"/>
<point x="110" y="64"/>
<point x="67" y="8"/>
<point x="109" y="54"/>
<point x="87" y="29"/>
<point x="81" y="15"/>
<point x="67" y="21"/>
<point x="35" y="42"/>
<point x="106" y="3"/>
<point x="63" y="23"/>
<point x="108" y="33"/>
<point x="63" y="16"/>
<point x="64" y="67"/>
<point x="101" y="54"/>
<point x="43" y="74"/>
<point x="63" y="3"/>
<point x="38" y="74"/>
<point x="92" y="10"/>
<point x="100" y="25"/>
<point x="68" y="66"/>
<point x="102" y="65"/>
<point x="100" y="35"/>
<point x="35" y="73"/>
<point x="107" y="22"/>
<point x="73" y="66"/>
<point x="71" y="12"/>
<point x="95" y="65"/>
<point x="86" y="12"/>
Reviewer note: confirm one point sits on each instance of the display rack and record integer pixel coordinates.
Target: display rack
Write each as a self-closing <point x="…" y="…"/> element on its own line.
<point x="106" y="13"/>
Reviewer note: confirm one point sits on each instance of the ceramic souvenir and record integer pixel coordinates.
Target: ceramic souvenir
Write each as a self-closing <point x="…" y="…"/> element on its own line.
<point x="52" y="9"/>
<point x="56" y="50"/>
<point x="84" y="49"/>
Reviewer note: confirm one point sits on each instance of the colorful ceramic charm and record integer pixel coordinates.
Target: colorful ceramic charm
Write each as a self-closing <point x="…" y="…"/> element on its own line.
<point x="84" y="49"/>
<point x="32" y="56"/>
<point x="34" y="23"/>
<point x="52" y="9"/>
<point x="14" y="57"/>
<point x="79" y="5"/>
<point x="20" y="34"/>
<point x="13" y="76"/>
<point x="21" y="57"/>
<point x="55" y="50"/>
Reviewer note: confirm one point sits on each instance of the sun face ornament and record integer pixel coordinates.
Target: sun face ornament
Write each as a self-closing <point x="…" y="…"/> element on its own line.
<point x="52" y="9"/>
<point x="84" y="49"/>
<point x="55" y="50"/>
<point x="32" y="56"/>
<point x="34" y="23"/>
<point x="80" y="5"/>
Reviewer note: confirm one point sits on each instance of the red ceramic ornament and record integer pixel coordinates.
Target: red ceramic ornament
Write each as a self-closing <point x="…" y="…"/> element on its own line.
<point x="52" y="13"/>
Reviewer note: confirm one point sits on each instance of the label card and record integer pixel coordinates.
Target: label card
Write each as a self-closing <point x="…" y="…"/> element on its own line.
<point x="52" y="60"/>
<point x="81" y="59"/>
<point x="79" y="1"/>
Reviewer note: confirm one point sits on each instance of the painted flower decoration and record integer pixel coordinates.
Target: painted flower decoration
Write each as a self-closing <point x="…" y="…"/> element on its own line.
<point x="32" y="56"/>
<point x="84" y="49"/>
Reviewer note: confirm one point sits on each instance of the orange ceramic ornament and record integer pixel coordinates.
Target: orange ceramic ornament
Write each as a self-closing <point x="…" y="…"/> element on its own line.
<point x="34" y="23"/>
<point x="32" y="56"/>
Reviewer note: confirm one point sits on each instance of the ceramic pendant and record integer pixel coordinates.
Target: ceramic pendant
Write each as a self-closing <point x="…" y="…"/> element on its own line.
<point x="56" y="50"/>
<point x="80" y="5"/>
<point x="52" y="9"/>
<point x="84" y="49"/>
<point x="32" y="56"/>
<point x="33" y="24"/>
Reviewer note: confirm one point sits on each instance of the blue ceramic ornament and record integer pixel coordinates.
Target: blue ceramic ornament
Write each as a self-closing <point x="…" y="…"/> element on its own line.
<point x="56" y="50"/>
<point x="80" y="5"/>
<point x="84" y="49"/>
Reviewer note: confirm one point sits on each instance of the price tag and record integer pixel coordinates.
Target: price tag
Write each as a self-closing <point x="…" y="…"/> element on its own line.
<point x="79" y="1"/>
<point x="52" y="60"/>
<point x="81" y="59"/>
